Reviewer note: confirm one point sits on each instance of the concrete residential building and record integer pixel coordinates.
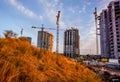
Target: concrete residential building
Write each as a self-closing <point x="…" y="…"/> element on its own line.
<point x="111" y="23"/>
<point x="104" y="34"/>
<point x="45" y="40"/>
<point x="71" y="42"/>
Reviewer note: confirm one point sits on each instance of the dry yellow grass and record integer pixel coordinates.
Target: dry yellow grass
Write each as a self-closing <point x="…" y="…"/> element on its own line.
<point x="21" y="62"/>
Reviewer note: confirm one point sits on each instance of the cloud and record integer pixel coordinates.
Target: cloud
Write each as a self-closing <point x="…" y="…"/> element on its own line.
<point x="71" y="9"/>
<point x="83" y="10"/>
<point x="88" y="40"/>
<point x="62" y="25"/>
<point x="88" y="45"/>
<point x="24" y="10"/>
<point x="88" y="3"/>
<point x="51" y="9"/>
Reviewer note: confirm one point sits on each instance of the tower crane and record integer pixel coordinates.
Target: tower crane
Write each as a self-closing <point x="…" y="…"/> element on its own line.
<point x="97" y="29"/>
<point x="57" y="33"/>
<point x="42" y="29"/>
<point x="42" y="33"/>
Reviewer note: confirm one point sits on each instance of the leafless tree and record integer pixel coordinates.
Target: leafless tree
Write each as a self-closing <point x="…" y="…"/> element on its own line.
<point x="9" y="34"/>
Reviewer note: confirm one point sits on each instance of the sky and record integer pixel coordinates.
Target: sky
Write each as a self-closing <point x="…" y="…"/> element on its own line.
<point x="18" y="14"/>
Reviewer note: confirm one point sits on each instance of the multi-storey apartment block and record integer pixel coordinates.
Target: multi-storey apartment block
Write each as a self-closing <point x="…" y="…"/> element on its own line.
<point x="110" y="30"/>
<point x="45" y="40"/>
<point x="71" y="42"/>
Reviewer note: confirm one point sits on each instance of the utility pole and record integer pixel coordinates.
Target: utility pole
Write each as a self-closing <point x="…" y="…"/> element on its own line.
<point x="57" y="33"/>
<point x="97" y="29"/>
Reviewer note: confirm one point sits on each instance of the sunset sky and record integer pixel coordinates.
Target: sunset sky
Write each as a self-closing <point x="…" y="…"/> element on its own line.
<point x="18" y="14"/>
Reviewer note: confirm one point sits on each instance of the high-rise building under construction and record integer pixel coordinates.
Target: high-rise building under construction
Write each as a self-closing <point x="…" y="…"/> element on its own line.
<point x="71" y="42"/>
<point x="104" y="34"/>
<point x="45" y="40"/>
<point x="110" y="30"/>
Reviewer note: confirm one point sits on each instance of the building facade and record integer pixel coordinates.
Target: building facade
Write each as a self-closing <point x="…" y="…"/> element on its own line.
<point x="104" y="33"/>
<point x="111" y="23"/>
<point x="45" y="40"/>
<point x="29" y="39"/>
<point x="71" y="42"/>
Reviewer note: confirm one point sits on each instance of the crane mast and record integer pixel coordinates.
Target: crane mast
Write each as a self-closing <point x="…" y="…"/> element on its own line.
<point x="57" y="33"/>
<point x="97" y="29"/>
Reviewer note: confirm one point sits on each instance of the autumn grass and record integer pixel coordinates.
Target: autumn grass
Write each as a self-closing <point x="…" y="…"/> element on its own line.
<point x="22" y="62"/>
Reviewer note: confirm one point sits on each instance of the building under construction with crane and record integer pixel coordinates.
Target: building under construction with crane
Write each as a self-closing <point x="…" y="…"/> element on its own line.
<point x="71" y="42"/>
<point x="45" y="40"/>
<point x="110" y="30"/>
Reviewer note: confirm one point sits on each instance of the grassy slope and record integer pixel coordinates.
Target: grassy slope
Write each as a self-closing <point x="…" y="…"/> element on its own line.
<point x="21" y="62"/>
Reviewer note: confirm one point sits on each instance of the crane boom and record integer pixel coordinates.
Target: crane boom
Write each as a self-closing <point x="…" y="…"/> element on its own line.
<point x="42" y="28"/>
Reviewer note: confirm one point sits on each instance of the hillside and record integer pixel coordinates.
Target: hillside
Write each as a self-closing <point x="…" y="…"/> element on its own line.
<point x="21" y="62"/>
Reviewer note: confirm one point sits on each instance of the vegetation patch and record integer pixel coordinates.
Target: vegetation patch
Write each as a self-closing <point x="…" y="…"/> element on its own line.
<point x="22" y="62"/>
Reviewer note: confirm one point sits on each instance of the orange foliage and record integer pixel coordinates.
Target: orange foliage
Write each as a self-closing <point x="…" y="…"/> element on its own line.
<point x="22" y="62"/>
